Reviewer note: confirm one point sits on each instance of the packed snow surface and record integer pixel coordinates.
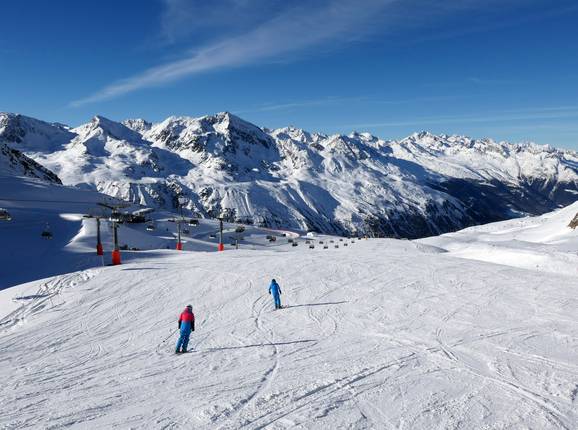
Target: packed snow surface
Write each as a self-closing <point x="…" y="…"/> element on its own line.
<point x="378" y="334"/>
<point x="544" y="243"/>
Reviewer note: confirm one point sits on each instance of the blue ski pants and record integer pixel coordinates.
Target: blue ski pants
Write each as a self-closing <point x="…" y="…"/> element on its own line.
<point x="277" y="299"/>
<point x="183" y="340"/>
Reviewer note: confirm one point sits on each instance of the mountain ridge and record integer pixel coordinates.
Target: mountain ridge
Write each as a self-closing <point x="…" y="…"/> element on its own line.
<point x="421" y="185"/>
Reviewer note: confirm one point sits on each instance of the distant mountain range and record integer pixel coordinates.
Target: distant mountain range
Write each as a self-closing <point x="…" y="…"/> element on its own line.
<point x="418" y="186"/>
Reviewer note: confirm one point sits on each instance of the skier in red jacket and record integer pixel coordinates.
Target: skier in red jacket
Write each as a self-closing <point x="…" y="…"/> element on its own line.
<point x="186" y="325"/>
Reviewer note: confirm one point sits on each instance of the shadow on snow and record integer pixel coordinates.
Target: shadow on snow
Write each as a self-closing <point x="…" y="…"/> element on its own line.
<point x="258" y="345"/>
<point x="314" y="304"/>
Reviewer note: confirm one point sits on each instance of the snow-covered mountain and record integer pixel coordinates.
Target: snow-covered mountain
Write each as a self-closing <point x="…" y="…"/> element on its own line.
<point x="419" y="186"/>
<point x="33" y="135"/>
<point x="15" y="163"/>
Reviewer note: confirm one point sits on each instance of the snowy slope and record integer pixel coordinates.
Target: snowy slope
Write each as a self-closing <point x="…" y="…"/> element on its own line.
<point x="15" y="163"/>
<point x="544" y="243"/>
<point x="376" y="334"/>
<point x="37" y="205"/>
<point x="381" y="334"/>
<point x="419" y="186"/>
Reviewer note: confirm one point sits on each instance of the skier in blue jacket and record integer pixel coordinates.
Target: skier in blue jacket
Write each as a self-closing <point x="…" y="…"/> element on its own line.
<point x="275" y="291"/>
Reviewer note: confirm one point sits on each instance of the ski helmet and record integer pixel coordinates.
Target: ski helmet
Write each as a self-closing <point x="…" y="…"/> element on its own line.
<point x="190" y="307"/>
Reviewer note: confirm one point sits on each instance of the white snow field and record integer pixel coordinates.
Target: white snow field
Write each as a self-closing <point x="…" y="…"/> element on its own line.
<point x="376" y="335"/>
<point x="543" y="243"/>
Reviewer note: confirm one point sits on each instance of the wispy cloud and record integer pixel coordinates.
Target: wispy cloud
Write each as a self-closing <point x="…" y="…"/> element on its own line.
<point x="476" y="81"/>
<point x="544" y="109"/>
<point x="291" y="31"/>
<point x="320" y="102"/>
<point x="497" y="117"/>
<point x="491" y="82"/>
<point x="201" y="19"/>
<point x="272" y="30"/>
<point x="339" y="101"/>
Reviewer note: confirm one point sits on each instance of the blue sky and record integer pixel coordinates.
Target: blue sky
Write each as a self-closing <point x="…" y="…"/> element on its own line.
<point x="503" y="69"/>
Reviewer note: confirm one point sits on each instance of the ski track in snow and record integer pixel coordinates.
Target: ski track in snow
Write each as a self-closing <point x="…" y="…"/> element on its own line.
<point x="376" y="335"/>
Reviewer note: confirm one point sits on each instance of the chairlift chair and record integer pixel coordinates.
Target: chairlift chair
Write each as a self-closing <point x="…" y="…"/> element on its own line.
<point x="46" y="233"/>
<point x="5" y="215"/>
<point x="116" y="217"/>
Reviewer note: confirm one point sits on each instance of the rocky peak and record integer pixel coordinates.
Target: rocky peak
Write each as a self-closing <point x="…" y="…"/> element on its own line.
<point x="137" y="124"/>
<point x="102" y="128"/>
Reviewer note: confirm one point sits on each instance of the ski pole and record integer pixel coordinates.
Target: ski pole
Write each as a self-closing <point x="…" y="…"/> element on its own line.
<point x="169" y="336"/>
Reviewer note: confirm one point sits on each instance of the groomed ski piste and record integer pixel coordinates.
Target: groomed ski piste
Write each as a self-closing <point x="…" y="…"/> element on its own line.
<point x="476" y="329"/>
